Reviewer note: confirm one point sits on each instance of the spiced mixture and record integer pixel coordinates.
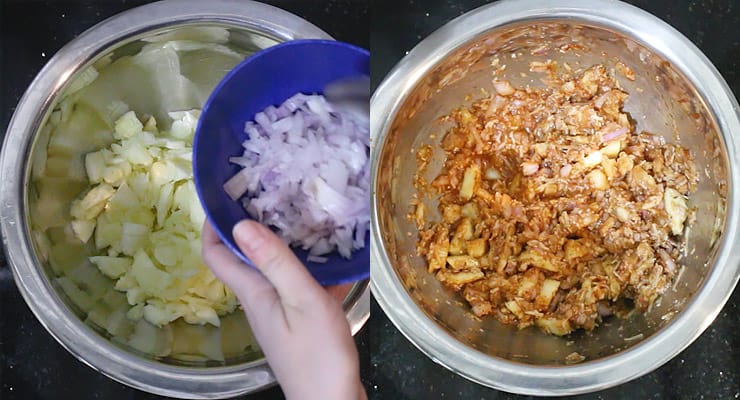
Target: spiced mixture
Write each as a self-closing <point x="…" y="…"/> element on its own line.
<point x="554" y="209"/>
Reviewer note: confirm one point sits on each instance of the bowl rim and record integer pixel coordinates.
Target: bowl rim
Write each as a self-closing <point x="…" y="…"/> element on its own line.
<point x="80" y="340"/>
<point x="510" y="376"/>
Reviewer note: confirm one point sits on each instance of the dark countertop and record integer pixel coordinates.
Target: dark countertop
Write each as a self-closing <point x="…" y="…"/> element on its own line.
<point x="708" y="369"/>
<point x="32" y="364"/>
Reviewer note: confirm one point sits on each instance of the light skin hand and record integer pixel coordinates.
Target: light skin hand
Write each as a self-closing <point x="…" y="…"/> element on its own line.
<point x="300" y="327"/>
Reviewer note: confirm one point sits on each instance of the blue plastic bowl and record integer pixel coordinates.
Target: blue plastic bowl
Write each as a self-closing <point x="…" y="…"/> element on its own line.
<point x="269" y="77"/>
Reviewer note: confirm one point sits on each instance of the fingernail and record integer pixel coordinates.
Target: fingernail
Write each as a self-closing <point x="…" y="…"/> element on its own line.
<point x="248" y="235"/>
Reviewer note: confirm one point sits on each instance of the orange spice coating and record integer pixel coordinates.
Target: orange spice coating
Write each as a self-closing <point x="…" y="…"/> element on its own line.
<point x="553" y="208"/>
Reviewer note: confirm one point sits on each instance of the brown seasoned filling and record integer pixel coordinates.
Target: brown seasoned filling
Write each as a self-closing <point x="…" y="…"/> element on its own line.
<point x="554" y="210"/>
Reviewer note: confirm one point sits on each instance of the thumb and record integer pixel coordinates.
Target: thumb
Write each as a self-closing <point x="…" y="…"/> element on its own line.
<point x="276" y="261"/>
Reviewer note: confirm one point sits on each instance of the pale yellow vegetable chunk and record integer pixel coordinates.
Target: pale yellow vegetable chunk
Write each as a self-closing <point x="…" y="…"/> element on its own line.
<point x="677" y="209"/>
<point x="452" y="213"/>
<point x="534" y="258"/>
<point x="112" y="267"/>
<point x="438" y="251"/>
<point x="476" y="247"/>
<point x="471" y="178"/>
<point x="83" y="229"/>
<point x="461" y="278"/>
<point x="93" y="203"/>
<point x="592" y="160"/>
<point x="459" y="263"/>
<point x="612" y="149"/>
<point x="559" y="327"/>
<point x="547" y="292"/>
<point x="127" y="126"/>
<point x="514" y="308"/>
<point x="598" y="180"/>
<point x="419" y="214"/>
<point x="470" y="210"/>
<point x="528" y="282"/>
<point x="144" y="213"/>
<point x="148" y="276"/>
<point x="574" y="249"/>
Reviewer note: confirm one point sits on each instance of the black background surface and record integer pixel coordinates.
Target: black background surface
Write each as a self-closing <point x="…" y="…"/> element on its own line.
<point x="708" y="369"/>
<point x="32" y="364"/>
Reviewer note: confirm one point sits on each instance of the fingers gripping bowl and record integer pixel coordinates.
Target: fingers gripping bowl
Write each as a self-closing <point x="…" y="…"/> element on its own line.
<point x="676" y="93"/>
<point x="201" y="43"/>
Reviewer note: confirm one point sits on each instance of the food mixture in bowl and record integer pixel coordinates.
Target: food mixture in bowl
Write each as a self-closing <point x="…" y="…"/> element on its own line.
<point x="555" y="211"/>
<point x="144" y="214"/>
<point x="114" y="209"/>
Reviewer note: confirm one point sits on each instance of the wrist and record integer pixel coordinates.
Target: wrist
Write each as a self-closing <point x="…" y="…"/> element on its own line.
<point x="350" y="390"/>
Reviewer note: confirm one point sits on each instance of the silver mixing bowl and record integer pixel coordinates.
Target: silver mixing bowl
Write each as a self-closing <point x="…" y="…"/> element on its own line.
<point x="249" y="26"/>
<point x="681" y="96"/>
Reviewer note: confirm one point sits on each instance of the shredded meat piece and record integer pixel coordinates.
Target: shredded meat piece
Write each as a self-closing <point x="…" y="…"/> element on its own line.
<point x="554" y="209"/>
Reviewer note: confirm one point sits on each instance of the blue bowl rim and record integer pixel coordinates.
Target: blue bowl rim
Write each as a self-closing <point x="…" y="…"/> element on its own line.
<point x="234" y="249"/>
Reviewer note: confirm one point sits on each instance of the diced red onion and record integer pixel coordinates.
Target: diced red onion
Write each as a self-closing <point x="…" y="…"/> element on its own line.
<point x="306" y="172"/>
<point x="603" y="309"/>
<point x="670" y="265"/>
<point x="237" y="185"/>
<point x="271" y="113"/>
<point x="601" y="99"/>
<point x="264" y="122"/>
<point x="617" y="133"/>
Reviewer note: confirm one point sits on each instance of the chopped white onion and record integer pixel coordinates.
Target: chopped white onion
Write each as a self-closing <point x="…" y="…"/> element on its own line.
<point x="492" y="174"/>
<point x="503" y="88"/>
<point x="565" y="170"/>
<point x="529" y="168"/>
<point x="306" y="172"/>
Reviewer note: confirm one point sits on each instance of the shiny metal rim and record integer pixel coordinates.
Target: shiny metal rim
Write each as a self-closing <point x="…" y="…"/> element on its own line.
<point x="62" y="324"/>
<point x="590" y="376"/>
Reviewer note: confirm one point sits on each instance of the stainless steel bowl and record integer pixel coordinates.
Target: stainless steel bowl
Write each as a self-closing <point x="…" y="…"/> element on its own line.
<point x="249" y="26"/>
<point x="681" y="95"/>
